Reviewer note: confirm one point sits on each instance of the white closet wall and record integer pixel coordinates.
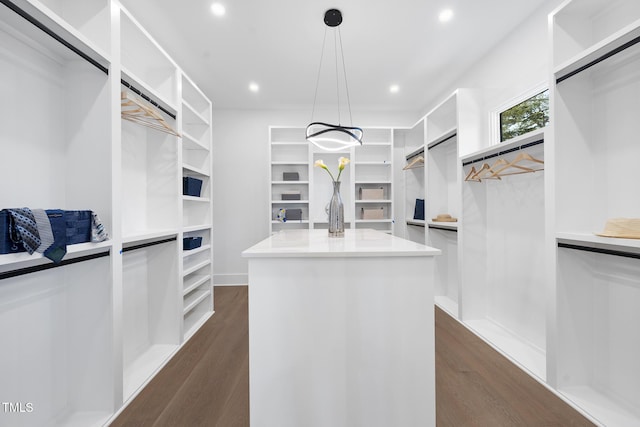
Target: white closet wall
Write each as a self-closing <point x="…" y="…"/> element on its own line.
<point x="91" y="332"/>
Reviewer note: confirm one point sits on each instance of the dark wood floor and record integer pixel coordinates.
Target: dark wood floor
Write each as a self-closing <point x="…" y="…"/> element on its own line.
<point x="207" y="382"/>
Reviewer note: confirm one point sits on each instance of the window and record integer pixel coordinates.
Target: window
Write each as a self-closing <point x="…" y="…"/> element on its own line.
<point x="528" y="115"/>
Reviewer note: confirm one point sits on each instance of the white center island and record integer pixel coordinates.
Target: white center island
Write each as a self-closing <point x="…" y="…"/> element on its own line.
<point x="341" y="330"/>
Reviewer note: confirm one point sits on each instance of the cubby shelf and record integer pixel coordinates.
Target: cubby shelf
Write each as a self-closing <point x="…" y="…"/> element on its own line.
<point x="196" y="267"/>
<point x="191" y="252"/>
<point x="191" y="143"/>
<point x="195" y="170"/>
<point x="194" y="298"/>
<point x="196" y="199"/>
<point x="192" y="116"/>
<point x="195" y="281"/>
<point x="290" y="182"/>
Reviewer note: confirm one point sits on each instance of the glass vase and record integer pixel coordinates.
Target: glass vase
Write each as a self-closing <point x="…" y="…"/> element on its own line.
<point x="336" y="212"/>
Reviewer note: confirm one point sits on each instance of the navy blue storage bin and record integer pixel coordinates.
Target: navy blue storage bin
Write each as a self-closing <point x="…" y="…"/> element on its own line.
<point x="189" y="243"/>
<point x="78" y="226"/>
<point x="418" y="212"/>
<point x="191" y="186"/>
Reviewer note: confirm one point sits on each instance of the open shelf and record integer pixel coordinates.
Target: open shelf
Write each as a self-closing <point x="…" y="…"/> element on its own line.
<point x="447" y="304"/>
<point x="194" y="281"/>
<point x="194" y="298"/>
<point x="191" y="252"/>
<point x="190" y="142"/>
<point x="416" y="222"/>
<point x="192" y="116"/>
<point x="195" y="170"/>
<point x="143" y="58"/>
<point x="196" y="267"/>
<point x="21" y="260"/>
<point x="584" y="31"/>
<point x="442" y="224"/>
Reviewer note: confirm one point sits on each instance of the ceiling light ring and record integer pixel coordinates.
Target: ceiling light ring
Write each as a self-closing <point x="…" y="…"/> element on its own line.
<point x="335" y="128"/>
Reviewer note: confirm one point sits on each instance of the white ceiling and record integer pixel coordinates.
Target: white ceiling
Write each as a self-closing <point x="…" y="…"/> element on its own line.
<point x="277" y="44"/>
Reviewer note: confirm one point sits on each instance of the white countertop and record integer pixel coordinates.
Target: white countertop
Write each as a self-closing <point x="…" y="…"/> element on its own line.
<point x="355" y="243"/>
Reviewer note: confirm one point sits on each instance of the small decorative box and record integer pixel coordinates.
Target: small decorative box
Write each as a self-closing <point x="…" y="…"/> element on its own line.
<point x="293" y="215"/>
<point x="290" y="195"/>
<point x="189" y="243"/>
<point x="371" y="193"/>
<point x="290" y="176"/>
<point x="372" y="213"/>
<point x="191" y="186"/>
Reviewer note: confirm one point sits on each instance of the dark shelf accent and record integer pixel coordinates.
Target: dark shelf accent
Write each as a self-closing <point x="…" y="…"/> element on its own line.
<point x="146" y="245"/>
<point x="54" y="35"/>
<point x="34" y="269"/>
<point x="510" y="150"/>
<point x="599" y="250"/>
<point x="443" y="141"/>
<point x="435" y="227"/>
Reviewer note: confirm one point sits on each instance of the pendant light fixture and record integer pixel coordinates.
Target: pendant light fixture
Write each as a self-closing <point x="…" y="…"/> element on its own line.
<point x="330" y="137"/>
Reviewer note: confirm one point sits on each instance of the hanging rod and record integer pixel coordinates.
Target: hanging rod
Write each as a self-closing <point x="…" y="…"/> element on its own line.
<point x="146" y="245"/>
<point x="443" y="228"/>
<point x="34" y="269"/>
<point x="443" y="141"/>
<point x="599" y="250"/>
<point x="55" y="36"/>
<point x="599" y="59"/>
<point x="501" y="153"/>
<point x="145" y="97"/>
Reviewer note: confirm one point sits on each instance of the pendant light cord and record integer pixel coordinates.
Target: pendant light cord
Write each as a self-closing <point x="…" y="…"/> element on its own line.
<point x="315" y="96"/>
<point x="346" y="84"/>
<point x="335" y="51"/>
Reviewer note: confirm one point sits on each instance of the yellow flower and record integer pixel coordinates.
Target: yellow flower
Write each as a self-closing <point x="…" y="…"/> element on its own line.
<point x="319" y="163"/>
<point x="342" y="162"/>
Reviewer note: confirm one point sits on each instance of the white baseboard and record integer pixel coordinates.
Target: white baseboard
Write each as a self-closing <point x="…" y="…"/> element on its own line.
<point x="230" y="279"/>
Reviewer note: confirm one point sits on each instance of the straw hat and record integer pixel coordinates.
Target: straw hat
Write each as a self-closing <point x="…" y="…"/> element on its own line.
<point x="444" y="218"/>
<point x="627" y="228"/>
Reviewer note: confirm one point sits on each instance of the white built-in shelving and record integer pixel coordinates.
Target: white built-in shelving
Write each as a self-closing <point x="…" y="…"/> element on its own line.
<point x="96" y="328"/>
<point x="197" y="211"/>
<point x="595" y="88"/>
<point x="370" y="166"/>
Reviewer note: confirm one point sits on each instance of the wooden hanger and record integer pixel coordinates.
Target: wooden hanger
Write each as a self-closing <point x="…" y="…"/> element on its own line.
<point x="522" y="156"/>
<point x="483" y="171"/>
<point x="470" y="176"/>
<point x="418" y="160"/>
<point x="138" y="111"/>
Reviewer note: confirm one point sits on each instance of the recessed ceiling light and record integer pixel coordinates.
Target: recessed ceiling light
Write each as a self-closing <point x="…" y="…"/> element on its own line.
<point x="445" y="15"/>
<point x="394" y="88"/>
<point x="253" y="87"/>
<point x="217" y="9"/>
